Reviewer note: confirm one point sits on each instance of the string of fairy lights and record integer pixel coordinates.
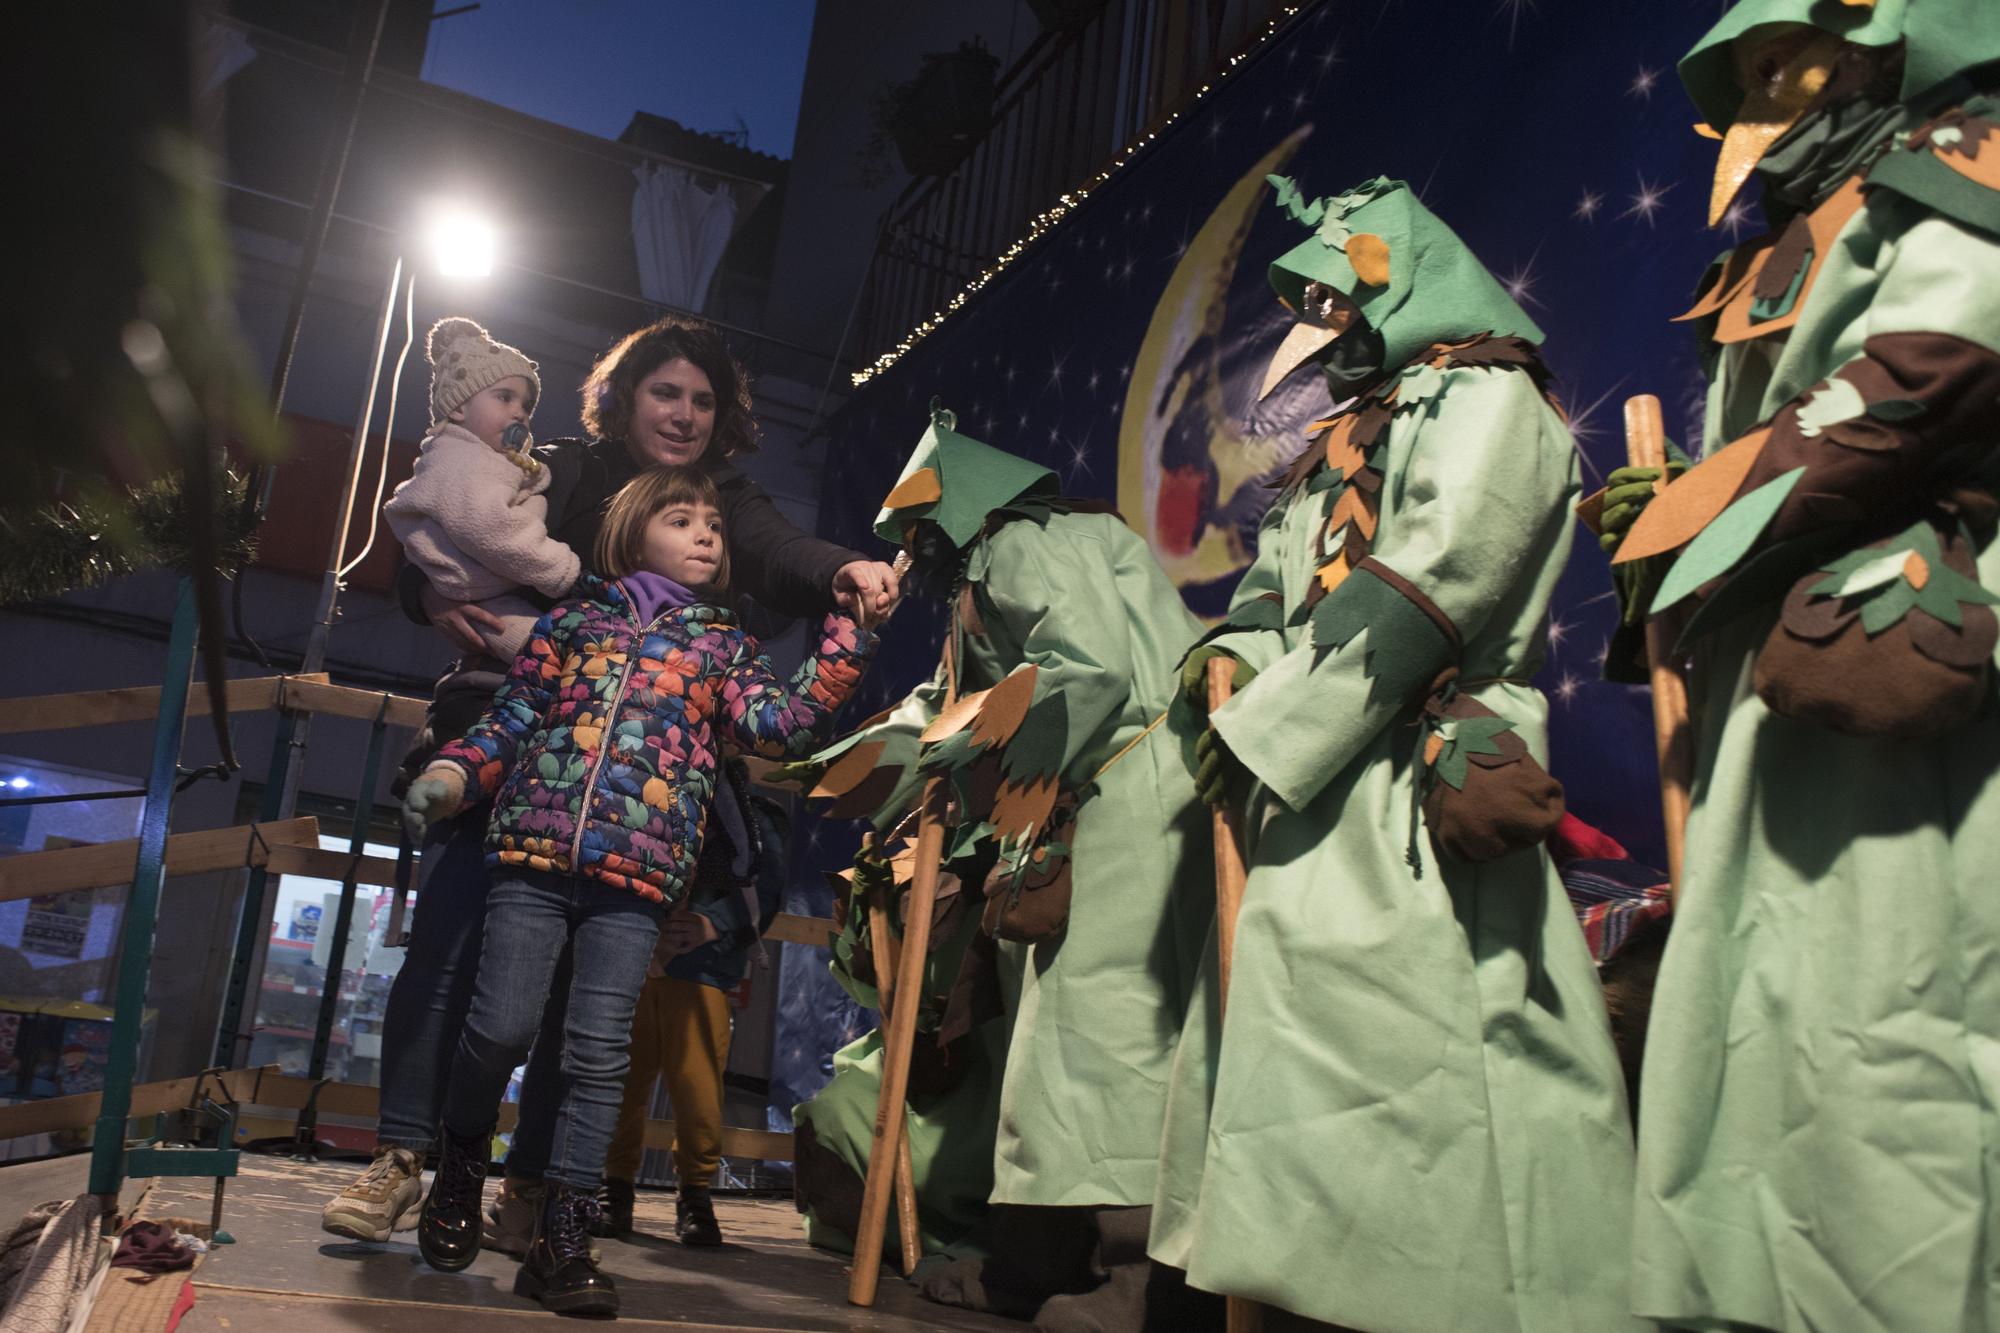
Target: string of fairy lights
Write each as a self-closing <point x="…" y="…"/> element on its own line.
<point x="1047" y="220"/>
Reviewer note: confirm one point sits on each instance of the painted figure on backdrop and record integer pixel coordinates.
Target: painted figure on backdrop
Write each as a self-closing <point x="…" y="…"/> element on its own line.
<point x="1818" y="1129"/>
<point x="1416" y="1054"/>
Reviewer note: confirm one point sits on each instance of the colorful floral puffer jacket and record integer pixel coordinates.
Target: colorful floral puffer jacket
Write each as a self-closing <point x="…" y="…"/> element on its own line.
<point x="601" y="748"/>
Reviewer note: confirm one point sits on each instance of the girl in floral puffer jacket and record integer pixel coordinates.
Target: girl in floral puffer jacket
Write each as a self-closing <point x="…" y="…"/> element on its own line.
<point x="600" y="753"/>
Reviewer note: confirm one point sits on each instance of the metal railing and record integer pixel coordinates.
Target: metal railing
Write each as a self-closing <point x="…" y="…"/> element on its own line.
<point x="1076" y="98"/>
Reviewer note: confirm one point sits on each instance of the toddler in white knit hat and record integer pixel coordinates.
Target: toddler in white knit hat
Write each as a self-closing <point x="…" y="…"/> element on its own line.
<point x="472" y="516"/>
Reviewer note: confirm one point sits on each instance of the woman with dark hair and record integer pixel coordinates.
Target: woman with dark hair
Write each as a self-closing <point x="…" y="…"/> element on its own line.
<point x="669" y="393"/>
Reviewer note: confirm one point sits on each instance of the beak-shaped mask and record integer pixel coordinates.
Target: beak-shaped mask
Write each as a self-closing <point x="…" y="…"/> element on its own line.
<point x="1327" y="315"/>
<point x="1780" y="76"/>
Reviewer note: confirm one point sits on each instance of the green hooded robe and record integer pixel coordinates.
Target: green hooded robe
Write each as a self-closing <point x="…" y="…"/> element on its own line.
<point x="1414" y="1117"/>
<point x="1819" y="1132"/>
<point x="1095" y="1011"/>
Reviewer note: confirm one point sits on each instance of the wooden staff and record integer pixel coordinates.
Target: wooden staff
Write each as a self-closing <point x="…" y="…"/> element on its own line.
<point x="882" y="943"/>
<point x="1646" y="446"/>
<point x="898" y="1035"/>
<point x="1241" y="1314"/>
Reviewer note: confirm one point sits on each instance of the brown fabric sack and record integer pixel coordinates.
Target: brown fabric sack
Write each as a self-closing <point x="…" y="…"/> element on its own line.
<point x="1915" y="680"/>
<point x="1508" y="800"/>
<point x="1038" y="909"/>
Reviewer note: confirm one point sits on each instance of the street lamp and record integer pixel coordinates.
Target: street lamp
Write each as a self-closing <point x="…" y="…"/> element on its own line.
<point x="463" y="244"/>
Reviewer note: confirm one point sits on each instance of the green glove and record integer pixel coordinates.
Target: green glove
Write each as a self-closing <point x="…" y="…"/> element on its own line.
<point x="1194" y="676"/>
<point x="428" y="800"/>
<point x="802" y="773"/>
<point x="1217" y="770"/>
<point x="1627" y="492"/>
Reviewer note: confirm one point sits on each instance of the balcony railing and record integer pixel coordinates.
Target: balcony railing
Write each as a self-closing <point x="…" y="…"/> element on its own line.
<point x="1078" y="97"/>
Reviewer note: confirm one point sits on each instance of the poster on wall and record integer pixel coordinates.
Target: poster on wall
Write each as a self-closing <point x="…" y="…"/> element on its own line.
<point x="58" y="924"/>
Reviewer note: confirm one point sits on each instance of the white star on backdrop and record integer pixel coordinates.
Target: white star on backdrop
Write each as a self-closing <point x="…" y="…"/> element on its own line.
<point x="1520" y="283"/>
<point x="1734" y="218"/>
<point x="1647" y="202"/>
<point x="1587" y="206"/>
<point x="1643" y="83"/>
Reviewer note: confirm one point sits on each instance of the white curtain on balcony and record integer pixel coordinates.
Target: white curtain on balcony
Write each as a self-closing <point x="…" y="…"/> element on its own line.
<point x="681" y="229"/>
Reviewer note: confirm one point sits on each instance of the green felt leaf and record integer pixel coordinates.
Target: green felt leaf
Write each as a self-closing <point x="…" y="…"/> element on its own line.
<point x="952" y="754"/>
<point x="1475" y="734"/>
<point x="1324" y="480"/>
<point x="1452" y="766"/>
<point x="1419" y="384"/>
<point x="1935" y="598"/>
<point x="966" y="839"/>
<point x="1037" y="747"/>
<point x="1726" y="539"/>
<point x="1294" y="202"/>
<point x="1886" y="607"/>
<point x="1334" y="232"/>
<point x="1261" y="613"/>
<point x="1896" y="409"/>
<point x="1961" y="588"/>
<point x="1838" y="401"/>
<point x="979" y="562"/>
<point x="1763" y="579"/>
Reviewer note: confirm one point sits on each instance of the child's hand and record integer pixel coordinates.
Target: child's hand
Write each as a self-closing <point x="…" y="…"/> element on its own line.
<point x="685" y="930"/>
<point x="467" y="626"/>
<point x="436" y="795"/>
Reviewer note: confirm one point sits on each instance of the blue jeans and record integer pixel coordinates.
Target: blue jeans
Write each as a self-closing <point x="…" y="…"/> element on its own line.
<point x="433" y="990"/>
<point x="530" y="919"/>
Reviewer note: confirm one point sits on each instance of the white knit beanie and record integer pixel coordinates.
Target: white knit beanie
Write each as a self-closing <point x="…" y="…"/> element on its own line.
<point x="465" y="359"/>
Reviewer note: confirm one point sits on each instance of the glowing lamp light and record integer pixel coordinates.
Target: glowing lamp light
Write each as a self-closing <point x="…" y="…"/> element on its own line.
<point x="463" y="245"/>
<point x="20" y="783"/>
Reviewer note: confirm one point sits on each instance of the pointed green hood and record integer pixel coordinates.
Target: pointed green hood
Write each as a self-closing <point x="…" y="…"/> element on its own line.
<point x="955" y="482"/>
<point x="1941" y="38"/>
<point x="1436" y="288"/>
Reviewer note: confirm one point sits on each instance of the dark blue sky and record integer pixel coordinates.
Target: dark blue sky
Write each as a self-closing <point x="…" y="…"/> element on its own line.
<point x="590" y="64"/>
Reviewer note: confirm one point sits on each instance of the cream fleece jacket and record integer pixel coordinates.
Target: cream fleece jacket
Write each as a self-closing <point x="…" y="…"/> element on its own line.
<point x="476" y="523"/>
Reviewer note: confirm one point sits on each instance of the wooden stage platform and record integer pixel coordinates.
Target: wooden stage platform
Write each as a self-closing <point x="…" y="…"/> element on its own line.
<point x="285" y="1274"/>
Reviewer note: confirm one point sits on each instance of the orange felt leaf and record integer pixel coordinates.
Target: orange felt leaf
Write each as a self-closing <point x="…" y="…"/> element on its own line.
<point x="848" y="771"/>
<point x="1019" y="809"/>
<point x="919" y="488"/>
<point x="1683" y="509"/>
<point x="1706" y="130"/>
<point x="1334" y="572"/>
<point x="954" y="718"/>
<point x="1369" y="254"/>
<point x="1354" y="506"/>
<point x="1590" y="510"/>
<point x="1341" y="451"/>
<point x="1917" y="570"/>
<point x="1006" y="704"/>
<point x="1433" y="747"/>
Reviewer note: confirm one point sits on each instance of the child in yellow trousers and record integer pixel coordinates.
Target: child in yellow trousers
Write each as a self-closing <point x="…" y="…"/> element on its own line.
<point x="681" y="1030"/>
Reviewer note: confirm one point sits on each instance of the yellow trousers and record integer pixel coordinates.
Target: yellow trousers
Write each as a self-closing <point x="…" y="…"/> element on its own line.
<point x="681" y="1033"/>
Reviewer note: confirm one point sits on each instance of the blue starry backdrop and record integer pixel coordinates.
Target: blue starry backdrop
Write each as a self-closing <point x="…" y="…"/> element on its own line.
<point x="1124" y="349"/>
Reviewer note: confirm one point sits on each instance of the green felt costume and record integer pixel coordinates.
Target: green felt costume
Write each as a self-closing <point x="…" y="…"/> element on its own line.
<point x="1819" y="1128"/>
<point x="1097" y="1009"/>
<point x="1414" y="1117"/>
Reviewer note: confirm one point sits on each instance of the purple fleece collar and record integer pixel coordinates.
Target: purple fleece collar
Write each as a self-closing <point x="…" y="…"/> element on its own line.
<point x="652" y="593"/>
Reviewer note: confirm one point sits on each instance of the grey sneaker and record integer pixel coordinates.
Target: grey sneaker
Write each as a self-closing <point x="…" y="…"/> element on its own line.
<point x="510" y="1219"/>
<point x="385" y="1199"/>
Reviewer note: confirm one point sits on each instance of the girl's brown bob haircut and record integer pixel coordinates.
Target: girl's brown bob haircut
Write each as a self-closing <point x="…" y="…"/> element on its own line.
<point x="621" y="541"/>
<point x="608" y="389"/>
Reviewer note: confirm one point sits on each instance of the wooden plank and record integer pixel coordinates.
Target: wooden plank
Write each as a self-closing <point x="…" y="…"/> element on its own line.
<point x="816" y="931"/>
<point x="345" y="701"/>
<point x="80" y="1111"/>
<point x="110" y="863"/>
<point x="96" y="708"/>
<point x="317" y="862"/>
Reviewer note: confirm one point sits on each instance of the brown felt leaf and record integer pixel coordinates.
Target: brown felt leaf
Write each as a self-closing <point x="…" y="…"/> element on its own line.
<point x="1683" y="509"/>
<point x="1813" y="618"/>
<point x="1019" y="809"/>
<point x="848" y="771"/>
<point x="919" y="488"/>
<point x="1006" y="704"/>
<point x="1353" y="545"/>
<point x="1371" y="419"/>
<point x="1969" y="644"/>
<point x="1590" y="510"/>
<point x="954" y="718"/>
<point x="1369" y="254"/>
<point x="857" y="784"/>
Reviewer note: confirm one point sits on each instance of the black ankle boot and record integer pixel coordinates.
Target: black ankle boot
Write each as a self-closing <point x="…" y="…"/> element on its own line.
<point x="614" y="1209"/>
<point x="694" y="1217"/>
<point x="448" y="1229"/>
<point x="559" y="1271"/>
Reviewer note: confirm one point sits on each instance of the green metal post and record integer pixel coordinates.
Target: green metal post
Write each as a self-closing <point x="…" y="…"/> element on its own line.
<point x="142" y="906"/>
<point x="238" y="1011"/>
<point x="336" y="954"/>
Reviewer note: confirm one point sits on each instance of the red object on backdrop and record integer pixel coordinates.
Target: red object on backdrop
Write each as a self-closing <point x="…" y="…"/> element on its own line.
<point x="298" y="529"/>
